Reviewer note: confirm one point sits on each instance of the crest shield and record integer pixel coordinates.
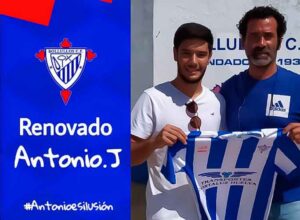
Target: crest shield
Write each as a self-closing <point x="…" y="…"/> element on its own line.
<point x="65" y="65"/>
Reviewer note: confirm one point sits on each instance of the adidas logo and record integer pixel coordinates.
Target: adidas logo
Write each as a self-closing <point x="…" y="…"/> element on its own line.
<point x="278" y="106"/>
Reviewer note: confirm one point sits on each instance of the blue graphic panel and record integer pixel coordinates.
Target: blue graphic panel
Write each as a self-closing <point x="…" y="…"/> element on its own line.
<point x="65" y="151"/>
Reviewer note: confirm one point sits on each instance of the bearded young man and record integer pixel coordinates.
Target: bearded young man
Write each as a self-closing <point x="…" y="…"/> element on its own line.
<point x="165" y="113"/>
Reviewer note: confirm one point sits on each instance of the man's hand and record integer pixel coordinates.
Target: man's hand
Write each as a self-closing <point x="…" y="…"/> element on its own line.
<point x="169" y="135"/>
<point x="293" y="130"/>
<point x="141" y="149"/>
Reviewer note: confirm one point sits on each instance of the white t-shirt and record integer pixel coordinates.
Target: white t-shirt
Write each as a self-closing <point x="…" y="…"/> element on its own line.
<point x="158" y="106"/>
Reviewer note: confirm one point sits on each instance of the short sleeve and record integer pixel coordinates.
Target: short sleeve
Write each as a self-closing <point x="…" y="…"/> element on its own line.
<point x="142" y="119"/>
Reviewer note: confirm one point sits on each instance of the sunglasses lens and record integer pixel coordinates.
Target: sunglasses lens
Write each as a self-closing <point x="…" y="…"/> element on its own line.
<point x="195" y="122"/>
<point x="192" y="107"/>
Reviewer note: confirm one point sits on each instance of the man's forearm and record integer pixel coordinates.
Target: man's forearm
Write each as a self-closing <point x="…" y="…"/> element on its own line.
<point x="141" y="150"/>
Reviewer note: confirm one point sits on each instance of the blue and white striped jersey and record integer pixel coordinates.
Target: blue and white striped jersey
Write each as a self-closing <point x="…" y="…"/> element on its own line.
<point x="233" y="174"/>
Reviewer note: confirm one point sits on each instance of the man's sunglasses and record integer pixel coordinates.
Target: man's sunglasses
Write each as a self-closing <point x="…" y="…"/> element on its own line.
<point x="195" y="121"/>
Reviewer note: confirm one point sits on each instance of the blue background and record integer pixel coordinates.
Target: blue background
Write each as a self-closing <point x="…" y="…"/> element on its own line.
<point x="103" y="90"/>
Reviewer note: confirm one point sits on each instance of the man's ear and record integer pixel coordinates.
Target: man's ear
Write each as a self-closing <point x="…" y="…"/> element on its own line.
<point x="175" y="54"/>
<point x="242" y="43"/>
<point x="210" y="54"/>
<point x="279" y="43"/>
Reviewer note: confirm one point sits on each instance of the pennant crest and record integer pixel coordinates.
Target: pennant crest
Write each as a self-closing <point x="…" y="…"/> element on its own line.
<point x="65" y="64"/>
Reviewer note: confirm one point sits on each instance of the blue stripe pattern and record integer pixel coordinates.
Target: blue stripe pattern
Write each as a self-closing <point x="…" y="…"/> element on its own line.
<point x="211" y="199"/>
<point x="248" y="149"/>
<point x="246" y="154"/>
<point x="190" y="149"/>
<point x="67" y="73"/>
<point x="217" y="151"/>
<point x="233" y="202"/>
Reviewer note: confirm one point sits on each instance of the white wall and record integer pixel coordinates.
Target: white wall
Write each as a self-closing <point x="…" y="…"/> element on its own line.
<point x="141" y="47"/>
<point x="221" y="17"/>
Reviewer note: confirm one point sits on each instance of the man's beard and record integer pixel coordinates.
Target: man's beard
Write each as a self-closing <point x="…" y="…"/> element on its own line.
<point x="261" y="62"/>
<point x="190" y="81"/>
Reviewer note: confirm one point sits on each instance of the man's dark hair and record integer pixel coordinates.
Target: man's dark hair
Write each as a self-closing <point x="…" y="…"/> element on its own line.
<point x="193" y="30"/>
<point x="261" y="13"/>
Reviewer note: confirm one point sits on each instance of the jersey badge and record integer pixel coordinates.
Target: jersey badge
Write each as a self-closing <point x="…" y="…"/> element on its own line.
<point x="263" y="148"/>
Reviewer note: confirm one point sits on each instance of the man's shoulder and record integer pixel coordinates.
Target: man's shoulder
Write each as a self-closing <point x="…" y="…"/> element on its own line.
<point x="211" y="93"/>
<point x="235" y="78"/>
<point x="288" y="73"/>
<point x="163" y="89"/>
<point x="232" y="82"/>
<point x="158" y="87"/>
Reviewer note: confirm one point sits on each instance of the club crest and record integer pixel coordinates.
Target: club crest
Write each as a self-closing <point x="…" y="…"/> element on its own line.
<point x="65" y="64"/>
<point x="226" y="174"/>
